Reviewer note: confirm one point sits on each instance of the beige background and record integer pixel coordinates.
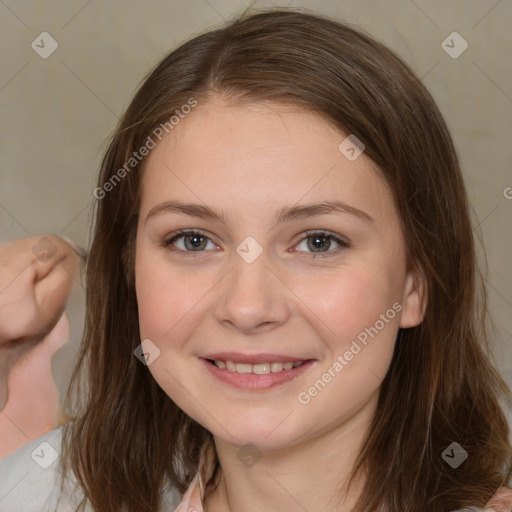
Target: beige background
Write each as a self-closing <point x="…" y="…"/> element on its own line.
<point x="58" y="112"/>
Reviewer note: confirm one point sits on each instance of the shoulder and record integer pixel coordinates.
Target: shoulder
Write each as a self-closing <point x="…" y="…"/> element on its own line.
<point x="29" y="478"/>
<point x="501" y="501"/>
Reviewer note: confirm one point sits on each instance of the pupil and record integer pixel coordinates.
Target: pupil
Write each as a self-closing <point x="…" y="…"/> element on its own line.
<point x="319" y="241"/>
<point x="195" y="240"/>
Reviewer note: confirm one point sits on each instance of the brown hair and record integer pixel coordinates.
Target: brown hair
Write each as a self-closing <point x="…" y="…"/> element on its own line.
<point x="129" y="439"/>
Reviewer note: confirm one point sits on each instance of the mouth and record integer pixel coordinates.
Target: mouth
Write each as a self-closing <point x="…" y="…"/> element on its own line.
<point x="256" y="368"/>
<point x="256" y="376"/>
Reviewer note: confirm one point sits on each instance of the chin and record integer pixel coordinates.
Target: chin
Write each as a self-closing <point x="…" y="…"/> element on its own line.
<point x="265" y="435"/>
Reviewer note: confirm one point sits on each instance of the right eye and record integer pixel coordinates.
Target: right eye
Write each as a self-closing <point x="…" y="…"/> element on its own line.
<point x="187" y="241"/>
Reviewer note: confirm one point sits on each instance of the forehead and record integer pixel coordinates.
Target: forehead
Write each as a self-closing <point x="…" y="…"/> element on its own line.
<point x="257" y="156"/>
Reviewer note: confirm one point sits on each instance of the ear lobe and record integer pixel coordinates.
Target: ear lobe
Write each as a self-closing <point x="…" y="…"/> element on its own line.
<point x="414" y="300"/>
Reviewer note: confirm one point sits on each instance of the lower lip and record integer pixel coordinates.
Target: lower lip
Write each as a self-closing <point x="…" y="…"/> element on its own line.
<point x="253" y="381"/>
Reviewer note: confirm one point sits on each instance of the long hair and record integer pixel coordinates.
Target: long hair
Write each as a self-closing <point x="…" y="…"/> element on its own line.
<point x="129" y="440"/>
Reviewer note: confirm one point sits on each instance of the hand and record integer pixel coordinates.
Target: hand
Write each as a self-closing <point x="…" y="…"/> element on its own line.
<point x="36" y="276"/>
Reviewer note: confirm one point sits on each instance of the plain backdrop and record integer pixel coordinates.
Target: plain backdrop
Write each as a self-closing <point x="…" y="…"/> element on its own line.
<point x="58" y="112"/>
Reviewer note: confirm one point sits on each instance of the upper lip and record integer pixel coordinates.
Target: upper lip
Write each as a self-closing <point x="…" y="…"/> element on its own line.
<point x="237" y="357"/>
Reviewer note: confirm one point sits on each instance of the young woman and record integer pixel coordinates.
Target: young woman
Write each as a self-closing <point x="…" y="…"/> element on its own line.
<point x="282" y="304"/>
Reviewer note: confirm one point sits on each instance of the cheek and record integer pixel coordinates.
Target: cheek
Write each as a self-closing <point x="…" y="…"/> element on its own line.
<point x="354" y="299"/>
<point x="165" y="296"/>
<point x="363" y="318"/>
<point x="165" y="302"/>
<point x="358" y="314"/>
<point x="156" y="307"/>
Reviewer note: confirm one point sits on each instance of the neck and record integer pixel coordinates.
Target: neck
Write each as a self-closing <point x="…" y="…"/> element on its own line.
<point x="309" y="475"/>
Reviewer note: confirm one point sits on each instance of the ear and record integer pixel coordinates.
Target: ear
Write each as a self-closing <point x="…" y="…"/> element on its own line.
<point x="414" y="300"/>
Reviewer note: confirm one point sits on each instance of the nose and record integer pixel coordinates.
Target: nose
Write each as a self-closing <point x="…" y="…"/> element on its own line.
<point x="253" y="298"/>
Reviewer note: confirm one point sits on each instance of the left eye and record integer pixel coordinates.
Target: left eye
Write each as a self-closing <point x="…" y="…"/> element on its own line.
<point x="317" y="241"/>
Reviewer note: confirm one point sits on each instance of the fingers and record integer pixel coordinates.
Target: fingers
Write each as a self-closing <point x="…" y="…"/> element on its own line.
<point x="36" y="276"/>
<point x="50" y="296"/>
<point x="49" y="252"/>
<point x="18" y="310"/>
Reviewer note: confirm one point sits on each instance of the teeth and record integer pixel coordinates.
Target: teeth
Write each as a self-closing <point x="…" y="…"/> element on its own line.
<point x="276" y="367"/>
<point x="261" y="368"/>
<point x="258" y="369"/>
<point x="243" y="368"/>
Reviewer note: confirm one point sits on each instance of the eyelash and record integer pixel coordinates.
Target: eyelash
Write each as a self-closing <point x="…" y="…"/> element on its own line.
<point x="167" y="242"/>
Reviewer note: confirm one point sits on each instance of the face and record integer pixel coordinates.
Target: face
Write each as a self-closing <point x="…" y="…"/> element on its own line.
<point x="266" y="277"/>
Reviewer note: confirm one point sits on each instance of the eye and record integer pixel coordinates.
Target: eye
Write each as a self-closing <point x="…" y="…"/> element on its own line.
<point x="319" y="242"/>
<point x="188" y="240"/>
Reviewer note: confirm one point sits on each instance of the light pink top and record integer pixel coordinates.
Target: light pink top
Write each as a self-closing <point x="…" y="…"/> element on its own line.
<point x="191" y="501"/>
<point x="29" y="483"/>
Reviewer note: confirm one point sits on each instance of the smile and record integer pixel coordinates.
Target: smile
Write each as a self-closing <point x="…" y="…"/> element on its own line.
<point x="257" y="368"/>
<point x="258" y="376"/>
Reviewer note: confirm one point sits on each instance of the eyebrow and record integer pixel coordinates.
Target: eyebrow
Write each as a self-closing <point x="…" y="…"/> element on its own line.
<point x="286" y="214"/>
